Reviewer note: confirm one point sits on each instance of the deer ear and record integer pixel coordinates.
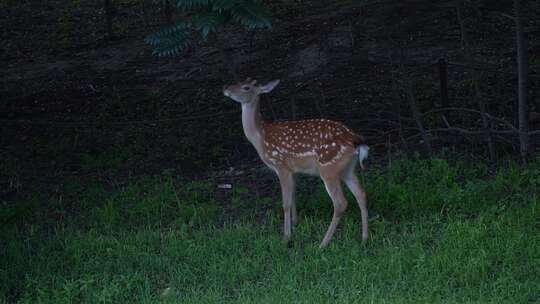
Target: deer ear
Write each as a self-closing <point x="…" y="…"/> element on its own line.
<point x="269" y="86"/>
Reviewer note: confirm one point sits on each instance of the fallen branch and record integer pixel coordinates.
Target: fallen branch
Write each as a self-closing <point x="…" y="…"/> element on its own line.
<point x="491" y="117"/>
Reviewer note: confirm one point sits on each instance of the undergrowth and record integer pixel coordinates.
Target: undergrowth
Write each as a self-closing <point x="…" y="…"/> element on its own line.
<point x="445" y="233"/>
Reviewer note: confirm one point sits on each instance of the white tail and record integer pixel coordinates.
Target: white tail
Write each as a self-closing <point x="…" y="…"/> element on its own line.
<point x="318" y="146"/>
<point x="362" y="154"/>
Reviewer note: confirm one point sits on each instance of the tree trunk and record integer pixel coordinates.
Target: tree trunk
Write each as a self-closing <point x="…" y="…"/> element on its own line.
<point x="228" y="59"/>
<point x="522" y="62"/>
<point x="443" y="79"/>
<point x="397" y="103"/>
<point x="483" y="113"/>
<point x="168" y="11"/>
<point x="229" y="63"/>
<point x="462" y="30"/>
<point x="108" y="18"/>
<point x="417" y="117"/>
<point x="476" y="79"/>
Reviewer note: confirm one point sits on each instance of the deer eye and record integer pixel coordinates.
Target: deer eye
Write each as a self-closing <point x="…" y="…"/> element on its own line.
<point x="245" y="88"/>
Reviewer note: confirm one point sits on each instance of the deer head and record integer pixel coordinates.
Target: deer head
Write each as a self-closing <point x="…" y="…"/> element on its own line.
<point x="246" y="91"/>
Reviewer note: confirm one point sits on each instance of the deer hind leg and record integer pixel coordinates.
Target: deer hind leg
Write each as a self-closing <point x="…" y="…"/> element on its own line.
<point x="351" y="181"/>
<point x="286" y="181"/>
<point x="333" y="187"/>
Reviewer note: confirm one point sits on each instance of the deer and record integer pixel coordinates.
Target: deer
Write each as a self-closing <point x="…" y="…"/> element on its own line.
<point x="318" y="147"/>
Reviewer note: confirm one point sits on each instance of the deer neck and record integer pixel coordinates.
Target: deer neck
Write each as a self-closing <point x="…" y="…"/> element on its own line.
<point x="252" y="123"/>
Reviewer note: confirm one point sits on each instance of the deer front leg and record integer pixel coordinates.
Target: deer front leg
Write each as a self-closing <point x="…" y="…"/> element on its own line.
<point x="286" y="181"/>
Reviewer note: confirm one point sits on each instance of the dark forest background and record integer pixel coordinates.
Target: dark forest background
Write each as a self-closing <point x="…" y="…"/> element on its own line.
<point x="83" y="97"/>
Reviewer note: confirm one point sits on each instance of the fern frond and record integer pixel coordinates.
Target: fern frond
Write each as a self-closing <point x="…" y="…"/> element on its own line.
<point x="191" y="4"/>
<point x="164" y="33"/>
<point x="251" y="15"/>
<point x="208" y="23"/>
<point x="173" y="44"/>
<point x="223" y="5"/>
<point x="171" y="40"/>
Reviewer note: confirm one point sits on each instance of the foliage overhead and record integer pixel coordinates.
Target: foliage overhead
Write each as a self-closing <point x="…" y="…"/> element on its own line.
<point x="204" y="17"/>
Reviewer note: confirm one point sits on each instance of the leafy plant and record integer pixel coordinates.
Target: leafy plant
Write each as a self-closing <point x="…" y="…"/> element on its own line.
<point x="203" y="18"/>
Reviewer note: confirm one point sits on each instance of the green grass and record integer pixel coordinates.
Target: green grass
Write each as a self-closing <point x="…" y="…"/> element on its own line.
<point x="446" y="234"/>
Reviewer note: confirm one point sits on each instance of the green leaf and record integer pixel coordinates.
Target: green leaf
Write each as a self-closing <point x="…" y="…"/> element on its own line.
<point x="208" y="23"/>
<point x="251" y="15"/>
